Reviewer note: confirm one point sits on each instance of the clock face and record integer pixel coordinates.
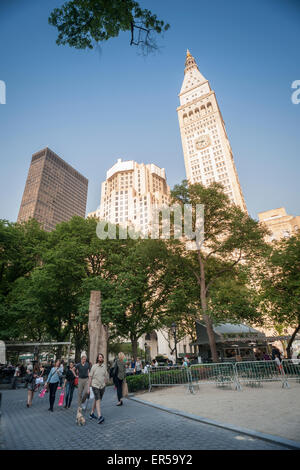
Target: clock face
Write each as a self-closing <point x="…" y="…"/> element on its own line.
<point x="202" y="142"/>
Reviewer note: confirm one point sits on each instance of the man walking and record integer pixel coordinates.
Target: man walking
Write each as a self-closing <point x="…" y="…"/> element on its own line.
<point x="98" y="379"/>
<point x="82" y="370"/>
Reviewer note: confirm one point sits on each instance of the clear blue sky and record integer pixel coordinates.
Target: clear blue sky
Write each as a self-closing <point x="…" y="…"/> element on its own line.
<point x="92" y="107"/>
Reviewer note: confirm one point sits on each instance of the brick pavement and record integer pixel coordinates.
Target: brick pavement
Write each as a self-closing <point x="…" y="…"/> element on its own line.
<point x="132" y="426"/>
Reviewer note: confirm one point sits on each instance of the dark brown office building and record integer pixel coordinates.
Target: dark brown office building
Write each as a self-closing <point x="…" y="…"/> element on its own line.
<point x="54" y="191"/>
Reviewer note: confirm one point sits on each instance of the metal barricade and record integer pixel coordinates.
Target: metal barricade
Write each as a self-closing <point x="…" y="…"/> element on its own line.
<point x="168" y="376"/>
<point x="254" y="373"/>
<point x="221" y="374"/>
<point x="291" y="369"/>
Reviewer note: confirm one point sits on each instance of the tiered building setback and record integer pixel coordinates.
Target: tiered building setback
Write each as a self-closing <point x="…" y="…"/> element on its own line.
<point x="130" y="194"/>
<point x="207" y="153"/>
<point x="280" y="224"/>
<point x="54" y="191"/>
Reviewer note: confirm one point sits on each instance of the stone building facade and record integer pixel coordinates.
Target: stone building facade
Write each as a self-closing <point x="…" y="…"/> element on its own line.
<point x="131" y="192"/>
<point x="279" y="223"/>
<point x="207" y="152"/>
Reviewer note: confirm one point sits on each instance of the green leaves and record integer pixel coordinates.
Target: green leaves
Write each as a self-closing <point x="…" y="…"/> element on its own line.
<point x="82" y="23"/>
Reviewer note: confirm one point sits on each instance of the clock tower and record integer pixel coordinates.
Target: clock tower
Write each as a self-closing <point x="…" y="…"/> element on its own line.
<point x="207" y="153"/>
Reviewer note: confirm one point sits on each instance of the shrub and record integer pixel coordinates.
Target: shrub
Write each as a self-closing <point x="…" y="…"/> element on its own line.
<point x="137" y="382"/>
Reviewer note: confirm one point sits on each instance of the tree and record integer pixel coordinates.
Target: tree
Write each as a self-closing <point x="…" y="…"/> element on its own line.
<point x="280" y="285"/>
<point x="231" y="299"/>
<point x="142" y="288"/>
<point x="21" y="248"/>
<point x="231" y="237"/>
<point x="84" y="23"/>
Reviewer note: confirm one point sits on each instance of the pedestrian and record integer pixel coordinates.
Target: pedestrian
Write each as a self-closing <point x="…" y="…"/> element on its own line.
<point x="30" y="380"/>
<point x="69" y="384"/>
<point x="275" y="352"/>
<point x="119" y="375"/>
<point x="83" y="370"/>
<point x="17" y="374"/>
<point x="132" y="364"/>
<point x="52" y="382"/>
<point x="40" y="377"/>
<point x="98" y="379"/>
<point x="138" y="366"/>
<point x="61" y="368"/>
<point x="185" y="362"/>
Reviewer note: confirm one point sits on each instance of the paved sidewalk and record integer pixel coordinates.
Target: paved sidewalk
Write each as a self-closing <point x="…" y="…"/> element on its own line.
<point x="132" y="426"/>
<point x="268" y="409"/>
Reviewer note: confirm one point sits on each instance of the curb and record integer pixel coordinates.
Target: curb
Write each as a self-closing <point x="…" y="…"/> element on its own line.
<point x="249" y="432"/>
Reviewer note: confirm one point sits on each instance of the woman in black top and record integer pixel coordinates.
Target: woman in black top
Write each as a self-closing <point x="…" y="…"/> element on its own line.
<point x="69" y="384"/>
<point x="119" y="376"/>
<point x="31" y="384"/>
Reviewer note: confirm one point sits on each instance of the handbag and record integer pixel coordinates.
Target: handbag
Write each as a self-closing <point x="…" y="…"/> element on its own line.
<point x="92" y="396"/>
<point x="42" y="394"/>
<point x="114" y="370"/>
<point x="124" y="388"/>
<point x="61" y="398"/>
<point x="76" y="382"/>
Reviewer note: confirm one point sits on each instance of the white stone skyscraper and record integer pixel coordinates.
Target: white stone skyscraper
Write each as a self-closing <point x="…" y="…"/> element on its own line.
<point x="130" y="194"/>
<point x="206" y="148"/>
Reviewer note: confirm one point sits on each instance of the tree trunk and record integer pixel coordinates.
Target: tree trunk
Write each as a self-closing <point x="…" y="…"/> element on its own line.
<point x="77" y="353"/>
<point x="288" y="349"/>
<point x="206" y="318"/>
<point x="134" y="345"/>
<point x="98" y="333"/>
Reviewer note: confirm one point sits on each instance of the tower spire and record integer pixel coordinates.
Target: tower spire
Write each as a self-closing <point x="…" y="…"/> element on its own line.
<point x="190" y="62"/>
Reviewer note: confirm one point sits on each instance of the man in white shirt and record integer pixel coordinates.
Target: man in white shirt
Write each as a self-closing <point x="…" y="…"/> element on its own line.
<point x="97" y="379"/>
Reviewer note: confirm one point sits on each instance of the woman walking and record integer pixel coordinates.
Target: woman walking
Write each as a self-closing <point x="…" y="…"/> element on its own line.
<point x="119" y="376"/>
<point x="69" y="384"/>
<point x="30" y="380"/>
<point x="53" y="381"/>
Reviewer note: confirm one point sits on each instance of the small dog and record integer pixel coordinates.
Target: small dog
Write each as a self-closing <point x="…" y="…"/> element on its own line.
<point x="80" y="421"/>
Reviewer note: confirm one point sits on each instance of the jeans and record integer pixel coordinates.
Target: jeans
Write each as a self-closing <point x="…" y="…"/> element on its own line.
<point x="69" y="393"/>
<point x="83" y="390"/>
<point x="52" y="392"/>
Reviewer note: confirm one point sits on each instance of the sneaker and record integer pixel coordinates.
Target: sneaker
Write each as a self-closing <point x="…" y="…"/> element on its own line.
<point x="92" y="415"/>
<point x="100" y="420"/>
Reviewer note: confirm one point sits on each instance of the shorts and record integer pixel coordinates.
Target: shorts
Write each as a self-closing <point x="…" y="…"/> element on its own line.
<point x="98" y="392"/>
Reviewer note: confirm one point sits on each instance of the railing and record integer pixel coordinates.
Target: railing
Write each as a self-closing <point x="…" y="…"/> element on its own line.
<point x="168" y="376"/>
<point x="248" y="373"/>
<point x="221" y="374"/>
<point x="291" y="369"/>
<point x="254" y="373"/>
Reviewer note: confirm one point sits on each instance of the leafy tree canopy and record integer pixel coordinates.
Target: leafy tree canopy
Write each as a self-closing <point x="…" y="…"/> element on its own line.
<point x="84" y="23"/>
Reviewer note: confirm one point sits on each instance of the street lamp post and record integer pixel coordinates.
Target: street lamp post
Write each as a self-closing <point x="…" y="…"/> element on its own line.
<point x="173" y="326"/>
